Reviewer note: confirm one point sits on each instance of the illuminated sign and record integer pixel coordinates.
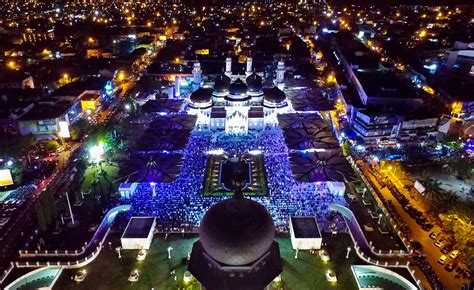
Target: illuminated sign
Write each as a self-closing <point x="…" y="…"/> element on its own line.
<point x="202" y="51"/>
<point x="5" y="177"/>
<point x="64" y="129"/>
<point x="88" y="105"/>
<point x="109" y="88"/>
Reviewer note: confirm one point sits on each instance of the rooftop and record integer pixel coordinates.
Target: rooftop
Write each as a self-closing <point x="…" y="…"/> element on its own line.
<point x="382" y="84"/>
<point x="46" y="111"/>
<point x="305" y="227"/>
<point x="138" y="227"/>
<point x="77" y="87"/>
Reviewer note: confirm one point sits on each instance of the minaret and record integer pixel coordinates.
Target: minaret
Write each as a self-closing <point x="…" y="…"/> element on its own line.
<point x="248" y="71"/>
<point x="228" y="67"/>
<point x="280" y="72"/>
<point x="177" y="91"/>
<point x="196" y="76"/>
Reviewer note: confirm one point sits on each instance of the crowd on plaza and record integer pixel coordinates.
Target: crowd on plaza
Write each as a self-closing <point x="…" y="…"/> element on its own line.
<point x="179" y="205"/>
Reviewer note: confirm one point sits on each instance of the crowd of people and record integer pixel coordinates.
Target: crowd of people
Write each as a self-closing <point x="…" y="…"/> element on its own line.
<point x="179" y="205"/>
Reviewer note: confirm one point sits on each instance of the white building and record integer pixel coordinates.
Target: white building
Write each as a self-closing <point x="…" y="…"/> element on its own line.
<point x="235" y="106"/>
<point x="336" y="188"/>
<point x="138" y="234"/>
<point x="305" y="234"/>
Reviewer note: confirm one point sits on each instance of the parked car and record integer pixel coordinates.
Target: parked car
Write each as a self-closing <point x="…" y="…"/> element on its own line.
<point x="416" y="245"/>
<point x="427" y="227"/>
<point x="442" y="260"/>
<point x="439" y="243"/>
<point x="446" y="249"/>
<point x="454" y="254"/>
<point x="421" y="221"/>
<point x="450" y="265"/>
<point x="434" y="235"/>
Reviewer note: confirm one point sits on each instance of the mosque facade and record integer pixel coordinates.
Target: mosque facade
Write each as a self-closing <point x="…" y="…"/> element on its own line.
<point x="236" y="104"/>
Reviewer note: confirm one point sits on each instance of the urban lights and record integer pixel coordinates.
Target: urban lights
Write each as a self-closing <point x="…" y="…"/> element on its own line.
<point x="121" y="76"/>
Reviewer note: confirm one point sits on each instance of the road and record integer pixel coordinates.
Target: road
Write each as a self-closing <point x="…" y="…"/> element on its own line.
<point x="12" y="238"/>
<point x="432" y="252"/>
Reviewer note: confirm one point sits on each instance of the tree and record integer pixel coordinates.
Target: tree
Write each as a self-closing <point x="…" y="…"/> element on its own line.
<point x="52" y="203"/>
<point x="47" y="213"/>
<point x="446" y="200"/>
<point x="40" y="217"/>
<point x="51" y="146"/>
<point x="346" y="148"/>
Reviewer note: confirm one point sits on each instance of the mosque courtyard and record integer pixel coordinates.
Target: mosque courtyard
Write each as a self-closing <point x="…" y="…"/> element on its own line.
<point x="107" y="271"/>
<point x="218" y="175"/>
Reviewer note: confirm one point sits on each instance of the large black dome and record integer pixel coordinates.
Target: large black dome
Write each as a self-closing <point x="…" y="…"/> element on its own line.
<point x="222" y="83"/>
<point x="201" y="96"/>
<point x="238" y="88"/>
<point x="237" y="231"/>
<point x="274" y="96"/>
<point x="254" y="83"/>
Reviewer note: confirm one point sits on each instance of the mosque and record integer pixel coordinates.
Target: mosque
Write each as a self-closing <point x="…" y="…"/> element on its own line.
<point x="236" y="104"/>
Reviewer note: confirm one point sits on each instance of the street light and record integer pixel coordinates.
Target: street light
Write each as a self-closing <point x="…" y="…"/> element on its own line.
<point x="169" y="252"/>
<point x="348" y="252"/>
<point x="380" y="218"/>
<point x="121" y="76"/>
<point x="96" y="152"/>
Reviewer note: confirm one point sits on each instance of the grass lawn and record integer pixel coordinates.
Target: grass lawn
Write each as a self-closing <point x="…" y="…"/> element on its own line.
<point x="308" y="271"/>
<point x="92" y="173"/>
<point x="109" y="272"/>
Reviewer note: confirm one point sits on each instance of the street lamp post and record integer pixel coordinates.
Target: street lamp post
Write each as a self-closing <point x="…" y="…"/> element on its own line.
<point x="73" y="222"/>
<point x="348" y="252"/>
<point x="296" y="254"/>
<point x="380" y="218"/>
<point x="169" y="252"/>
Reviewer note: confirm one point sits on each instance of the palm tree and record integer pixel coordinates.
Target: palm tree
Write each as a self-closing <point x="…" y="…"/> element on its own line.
<point x="432" y="190"/>
<point x="447" y="200"/>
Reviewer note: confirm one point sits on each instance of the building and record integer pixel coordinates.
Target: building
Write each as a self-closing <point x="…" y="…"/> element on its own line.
<point x="45" y="118"/>
<point x="90" y="101"/>
<point x="383" y="107"/>
<point x="127" y="190"/>
<point x="237" y="106"/>
<point x="138" y="234"/>
<point x="336" y="188"/>
<point x="38" y="35"/>
<point x="14" y="103"/>
<point x="378" y="125"/>
<point x="462" y="54"/>
<point x="16" y="80"/>
<point x="305" y="234"/>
